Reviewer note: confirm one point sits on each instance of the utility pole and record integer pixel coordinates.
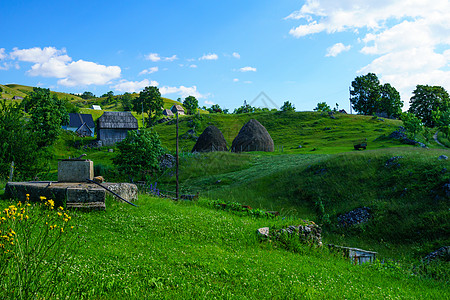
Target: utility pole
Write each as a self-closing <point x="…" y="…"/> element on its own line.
<point x="177" y="163"/>
<point x="350" y="98"/>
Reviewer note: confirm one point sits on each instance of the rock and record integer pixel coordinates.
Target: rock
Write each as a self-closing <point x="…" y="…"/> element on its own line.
<point x="307" y="233"/>
<point x="442" y="253"/>
<point x="167" y="161"/>
<point x="356" y="216"/>
<point x="393" y="161"/>
<point x="443" y="157"/>
<point x="264" y="231"/>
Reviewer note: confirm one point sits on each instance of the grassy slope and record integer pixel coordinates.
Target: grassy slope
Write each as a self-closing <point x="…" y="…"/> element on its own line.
<point x="168" y="250"/>
<point x="23" y="90"/>
<point x="316" y="133"/>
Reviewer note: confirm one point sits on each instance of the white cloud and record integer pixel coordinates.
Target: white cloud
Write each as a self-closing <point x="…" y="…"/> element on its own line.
<point x="408" y="40"/>
<point x="2" y="53"/>
<point x="236" y="55"/>
<point x="182" y="91"/>
<point x="134" y="86"/>
<point x="209" y="102"/>
<point x="193" y="66"/>
<point x="155" y="57"/>
<point x="247" y="69"/>
<point x="210" y="56"/>
<point x="337" y="49"/>
<point x="51" y="62"/>
<point x="149" y="71"/>
<point x="235" y="80"/>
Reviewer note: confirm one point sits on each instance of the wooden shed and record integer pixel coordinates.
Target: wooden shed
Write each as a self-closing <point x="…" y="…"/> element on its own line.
<point x="113" y="126"/>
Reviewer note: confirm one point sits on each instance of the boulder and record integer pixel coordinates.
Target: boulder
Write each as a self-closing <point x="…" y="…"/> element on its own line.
<point x="253" y="137"/>
<point x="210" y="140"/>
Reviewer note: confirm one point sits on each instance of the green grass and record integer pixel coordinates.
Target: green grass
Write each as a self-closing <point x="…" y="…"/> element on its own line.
<point x="168" y="250"/>
<point x="314" y="132"/>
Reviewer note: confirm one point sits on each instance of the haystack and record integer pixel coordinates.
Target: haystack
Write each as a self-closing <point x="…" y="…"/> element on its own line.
<point x="210" y="140"/>
<point x="252" y="137"/>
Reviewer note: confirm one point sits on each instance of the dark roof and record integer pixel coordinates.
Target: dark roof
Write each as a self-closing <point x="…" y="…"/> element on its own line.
<point x="176" y="108"/>
<point x="76" y="120"/>
<point x="117" y="120"/>
<point x="167" y="112"/>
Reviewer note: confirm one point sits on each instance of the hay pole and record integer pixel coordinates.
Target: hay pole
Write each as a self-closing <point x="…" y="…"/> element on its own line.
<point x="92" y="181"/>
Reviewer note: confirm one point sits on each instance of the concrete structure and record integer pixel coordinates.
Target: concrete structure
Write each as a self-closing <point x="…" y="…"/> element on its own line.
<point x="356" y="256"/>
<point x="75" y="170"/>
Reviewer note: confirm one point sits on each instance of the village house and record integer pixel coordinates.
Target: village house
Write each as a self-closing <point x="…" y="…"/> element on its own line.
<point x="113" y="126"/>
<point x="17" y="98"/>
<point x="167" y="112"/>
<point x="177" y="108"/>
<point x="82" y="124"/>
<point x="96" y="107"/>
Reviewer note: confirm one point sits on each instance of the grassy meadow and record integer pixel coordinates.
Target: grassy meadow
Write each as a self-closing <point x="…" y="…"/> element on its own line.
<point x="165" y="249"/>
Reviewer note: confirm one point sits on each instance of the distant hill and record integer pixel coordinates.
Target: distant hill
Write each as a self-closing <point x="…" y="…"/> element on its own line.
<point x="24" y="90"/>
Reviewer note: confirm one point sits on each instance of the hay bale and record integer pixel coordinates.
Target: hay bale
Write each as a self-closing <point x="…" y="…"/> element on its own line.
<point x="210" y="140"/>
<point x="252" y="137"/>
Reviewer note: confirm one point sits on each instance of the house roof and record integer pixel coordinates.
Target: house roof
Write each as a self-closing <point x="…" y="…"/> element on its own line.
<point x="76" y="120"/>
<point x="176" y="108"/>
<point x="167" y="112"/>
<point x="117" y="120"/>
<point x="96" y="107"/>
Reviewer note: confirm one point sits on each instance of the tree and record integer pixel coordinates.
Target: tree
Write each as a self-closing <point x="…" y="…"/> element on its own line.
<point x="17" y="144"/>
<point x="441" y="119"/>
<point x="138" y="154"/>
<point x="287" y="106"/>
<point x="390" y="102"/>
<point x="127" y="101"/>
<point x="369" y="97"/>
<point x="412" y="124"/>
<point x="47" y="115"/>
<point x="322" y="107"/>
<point x="215" y="108"/>
<point x="191" y="104"/>
<point x="245" y="108"/>
<point x="427" y="99"/>
<point x="150" y="102"/>
<point x="87" y="95"/>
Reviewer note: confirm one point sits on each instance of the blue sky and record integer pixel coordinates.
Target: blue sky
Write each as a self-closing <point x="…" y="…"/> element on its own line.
<point x="226" y="52"/>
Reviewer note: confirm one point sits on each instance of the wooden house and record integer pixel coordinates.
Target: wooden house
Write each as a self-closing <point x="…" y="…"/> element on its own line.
<point x="177" y="108"/>
<point x="113" y="126"/>
<point x="17" y="98"/>
<point x="83" y="124"/>
<point x="167" y="112"/>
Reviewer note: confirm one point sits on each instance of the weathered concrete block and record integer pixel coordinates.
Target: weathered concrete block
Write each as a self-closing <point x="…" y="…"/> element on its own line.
<point x="74" y="170"/>
<point x="127" y="191"/>
<point x="83" y="195"/>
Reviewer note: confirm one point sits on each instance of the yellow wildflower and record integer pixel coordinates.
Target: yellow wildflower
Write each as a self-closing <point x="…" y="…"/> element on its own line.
<point x="42" y="198"/>
<point x="59" y="214"/>
<point x="61" y="208"/>
<point x="62" y="230"/>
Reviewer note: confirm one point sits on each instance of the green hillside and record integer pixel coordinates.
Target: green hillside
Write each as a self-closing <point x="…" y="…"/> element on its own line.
<point x="23" y="90"/>
<point x="314" y="132"/>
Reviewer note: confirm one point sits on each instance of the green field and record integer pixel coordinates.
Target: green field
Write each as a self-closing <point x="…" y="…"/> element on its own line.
<point x="169" y="250"/>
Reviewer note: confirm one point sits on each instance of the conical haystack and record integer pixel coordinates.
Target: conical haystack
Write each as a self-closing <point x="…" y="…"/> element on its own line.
<point x="210" y="140"/>
<point x="252" y="137"/>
